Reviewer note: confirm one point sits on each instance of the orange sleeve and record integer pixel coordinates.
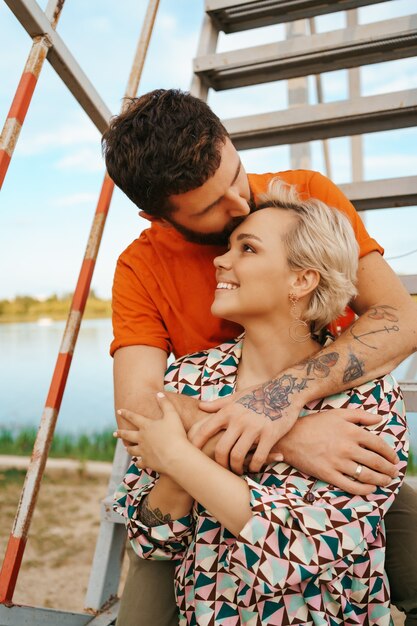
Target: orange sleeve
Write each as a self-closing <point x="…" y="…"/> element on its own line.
<point x="322" y="188"/>
<point x="136" y="319"/>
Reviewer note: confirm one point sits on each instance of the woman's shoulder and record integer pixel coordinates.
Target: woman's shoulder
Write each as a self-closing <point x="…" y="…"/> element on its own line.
<point x="192" y="369"/>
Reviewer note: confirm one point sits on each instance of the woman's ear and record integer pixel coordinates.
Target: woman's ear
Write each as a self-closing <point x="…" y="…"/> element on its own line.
<point x="305" y="282"/>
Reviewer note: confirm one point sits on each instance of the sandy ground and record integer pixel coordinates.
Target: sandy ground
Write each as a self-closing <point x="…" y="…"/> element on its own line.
<point x="61" y="545"/>
<point x="62" y="538"/>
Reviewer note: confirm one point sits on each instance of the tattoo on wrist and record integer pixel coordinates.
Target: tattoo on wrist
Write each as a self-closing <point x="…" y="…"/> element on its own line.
<point x="354" y="369"/>
<point x="318" y="366"/>
<point x="381" y="312"/>
<point x="273" y="397"/>
<point x="152" y="517"/>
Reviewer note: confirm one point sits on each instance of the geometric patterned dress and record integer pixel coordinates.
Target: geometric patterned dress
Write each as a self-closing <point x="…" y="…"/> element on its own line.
<point x="310" y="554"/>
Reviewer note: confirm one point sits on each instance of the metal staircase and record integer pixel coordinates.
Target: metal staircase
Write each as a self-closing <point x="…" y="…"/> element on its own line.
<point x="304" y="55"/>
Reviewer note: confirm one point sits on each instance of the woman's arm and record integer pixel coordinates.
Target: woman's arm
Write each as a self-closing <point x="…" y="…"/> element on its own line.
<point x="166" y="501"/>
<point x="158" y="527"/>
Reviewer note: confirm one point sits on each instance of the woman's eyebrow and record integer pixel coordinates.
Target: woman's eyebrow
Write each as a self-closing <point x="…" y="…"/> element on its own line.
<point x="247" y="236"/>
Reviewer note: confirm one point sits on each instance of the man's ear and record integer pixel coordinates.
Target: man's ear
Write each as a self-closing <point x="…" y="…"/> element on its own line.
<point x="305" y="282"/>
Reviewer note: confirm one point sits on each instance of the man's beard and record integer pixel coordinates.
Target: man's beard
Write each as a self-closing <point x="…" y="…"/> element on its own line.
<point x="211" y="239"/>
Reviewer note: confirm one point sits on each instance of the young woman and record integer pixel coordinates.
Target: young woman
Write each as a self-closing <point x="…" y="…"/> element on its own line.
<point x="276" y="547"/>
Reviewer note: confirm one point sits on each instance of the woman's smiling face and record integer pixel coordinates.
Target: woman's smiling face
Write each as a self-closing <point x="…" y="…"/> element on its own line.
<point x="253" y="277"/>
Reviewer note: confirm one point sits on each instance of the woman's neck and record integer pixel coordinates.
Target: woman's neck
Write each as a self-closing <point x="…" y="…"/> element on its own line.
<point x="267" y="350"/>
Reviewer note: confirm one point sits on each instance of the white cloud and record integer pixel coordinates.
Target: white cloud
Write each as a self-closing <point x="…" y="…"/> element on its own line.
<point x="83" y="160"/>
<point x="390" y="165"/>
<point x="167" y="21"/>
<point x="78" y="132"/>
<point x="74" y="199"/>
<point x="386" y="10"/>
<point x="100" y="24"/>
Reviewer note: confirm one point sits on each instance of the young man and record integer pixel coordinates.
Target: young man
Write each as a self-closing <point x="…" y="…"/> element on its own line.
<point x="173" y="158"/>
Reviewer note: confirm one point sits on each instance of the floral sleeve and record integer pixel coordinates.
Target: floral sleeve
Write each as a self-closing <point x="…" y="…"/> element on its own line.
<point x="165" y="542"/>
<point x="292" y="539"/>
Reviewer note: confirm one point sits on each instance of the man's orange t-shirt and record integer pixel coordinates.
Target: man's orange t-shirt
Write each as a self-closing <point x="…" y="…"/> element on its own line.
<point x="164" y="285"/>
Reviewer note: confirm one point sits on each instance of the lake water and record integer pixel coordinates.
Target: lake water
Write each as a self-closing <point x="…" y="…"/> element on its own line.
<point x="27" y="359"/>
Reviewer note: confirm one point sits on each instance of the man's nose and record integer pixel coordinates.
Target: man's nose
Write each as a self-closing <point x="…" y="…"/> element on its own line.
<point x="237" y="206"/>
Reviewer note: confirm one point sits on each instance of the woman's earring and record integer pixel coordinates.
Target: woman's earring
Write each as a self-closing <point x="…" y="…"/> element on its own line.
<point x="298" y="327"/>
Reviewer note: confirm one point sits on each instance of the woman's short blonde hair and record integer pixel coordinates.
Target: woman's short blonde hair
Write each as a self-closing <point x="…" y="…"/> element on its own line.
<point x="322" y="239"/>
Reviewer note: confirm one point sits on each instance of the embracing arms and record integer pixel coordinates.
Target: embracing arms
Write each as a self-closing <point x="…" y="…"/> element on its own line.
<point x="384" y="334"/>
<point x="253" y="508"/>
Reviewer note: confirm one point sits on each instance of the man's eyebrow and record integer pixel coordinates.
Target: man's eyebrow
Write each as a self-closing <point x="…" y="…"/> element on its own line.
<point x="207" y="208"/>
<point x="247" y="236"/>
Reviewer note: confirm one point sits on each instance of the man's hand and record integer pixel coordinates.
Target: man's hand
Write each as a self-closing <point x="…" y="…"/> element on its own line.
<point x="330" y="445"/>
<point x="209" y="448"/>
<point x="327" y="445"/>
<point x="246" y="425"/>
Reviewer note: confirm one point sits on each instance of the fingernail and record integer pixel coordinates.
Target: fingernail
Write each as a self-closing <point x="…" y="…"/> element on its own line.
<point x="115" y="434"/>
<point x="277" y="457"/>
<point x="160" y="394"/>
<point x="119" y="412"/>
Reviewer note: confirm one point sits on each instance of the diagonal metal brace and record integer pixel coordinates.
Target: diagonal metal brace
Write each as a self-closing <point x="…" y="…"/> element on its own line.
<point x="35" y="22"/>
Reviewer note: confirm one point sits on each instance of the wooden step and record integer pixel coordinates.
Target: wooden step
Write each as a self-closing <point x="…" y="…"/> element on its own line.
<point x="382" y="194"/>
<point x="300" y="56"/>
<point x="231" y="16"/>
<point x="337" y="119"/>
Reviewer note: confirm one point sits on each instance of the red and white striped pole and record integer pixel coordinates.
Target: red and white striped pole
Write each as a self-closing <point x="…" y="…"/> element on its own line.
<point x="18" y="538"/>
<point x="25" y="89"/>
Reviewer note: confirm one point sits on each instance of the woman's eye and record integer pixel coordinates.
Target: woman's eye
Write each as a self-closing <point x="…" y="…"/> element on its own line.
<point x="247" y="248"/>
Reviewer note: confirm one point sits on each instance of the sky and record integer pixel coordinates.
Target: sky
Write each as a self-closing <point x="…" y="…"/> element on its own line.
<point x="48" y="198"/>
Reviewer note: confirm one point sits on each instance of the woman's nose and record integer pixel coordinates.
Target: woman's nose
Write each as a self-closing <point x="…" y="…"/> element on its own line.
<point x="222" y="261"/>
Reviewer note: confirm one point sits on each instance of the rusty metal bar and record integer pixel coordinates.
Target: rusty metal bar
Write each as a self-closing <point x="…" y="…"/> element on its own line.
<point x="34" y="21"/>
<point x="25" y="89"/>
<point x="18" y="537"/>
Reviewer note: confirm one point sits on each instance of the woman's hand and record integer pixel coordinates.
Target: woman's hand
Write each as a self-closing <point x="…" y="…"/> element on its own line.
<point x="155" y="442"/>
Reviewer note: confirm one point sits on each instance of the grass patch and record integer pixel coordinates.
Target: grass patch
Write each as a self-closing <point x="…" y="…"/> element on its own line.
<point x="98" y="446"/>
<point x="12" y="475"/>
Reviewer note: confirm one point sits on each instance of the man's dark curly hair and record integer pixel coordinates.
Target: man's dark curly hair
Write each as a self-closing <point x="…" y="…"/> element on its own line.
<point x="165" y="142"/>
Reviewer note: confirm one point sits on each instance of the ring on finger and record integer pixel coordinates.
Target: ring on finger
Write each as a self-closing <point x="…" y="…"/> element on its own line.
<point x="358" y="472"/>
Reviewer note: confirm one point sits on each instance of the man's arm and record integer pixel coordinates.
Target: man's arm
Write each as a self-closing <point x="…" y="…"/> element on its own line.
<point x="138" y="373"/>
<point x="384" y="334"/>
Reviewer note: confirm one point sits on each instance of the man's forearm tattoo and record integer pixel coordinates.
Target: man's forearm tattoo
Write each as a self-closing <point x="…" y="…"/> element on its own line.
<point x="152" y="517"/>
<point x="273" y="397"/>
<point x="354" y="369"/>
<point x="318" y="366"/>
<point x="382" y="312"/>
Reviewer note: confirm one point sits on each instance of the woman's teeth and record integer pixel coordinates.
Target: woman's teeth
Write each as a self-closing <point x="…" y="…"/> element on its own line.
<point x="226" y="286"/>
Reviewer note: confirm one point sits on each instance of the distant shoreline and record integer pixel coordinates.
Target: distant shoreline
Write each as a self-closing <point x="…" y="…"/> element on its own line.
<point x="30" y="309"/>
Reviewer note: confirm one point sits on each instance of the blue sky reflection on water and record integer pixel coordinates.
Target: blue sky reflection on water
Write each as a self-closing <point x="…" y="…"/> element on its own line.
<point x="27" y="360"/>
<point x="29" y="354"/>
